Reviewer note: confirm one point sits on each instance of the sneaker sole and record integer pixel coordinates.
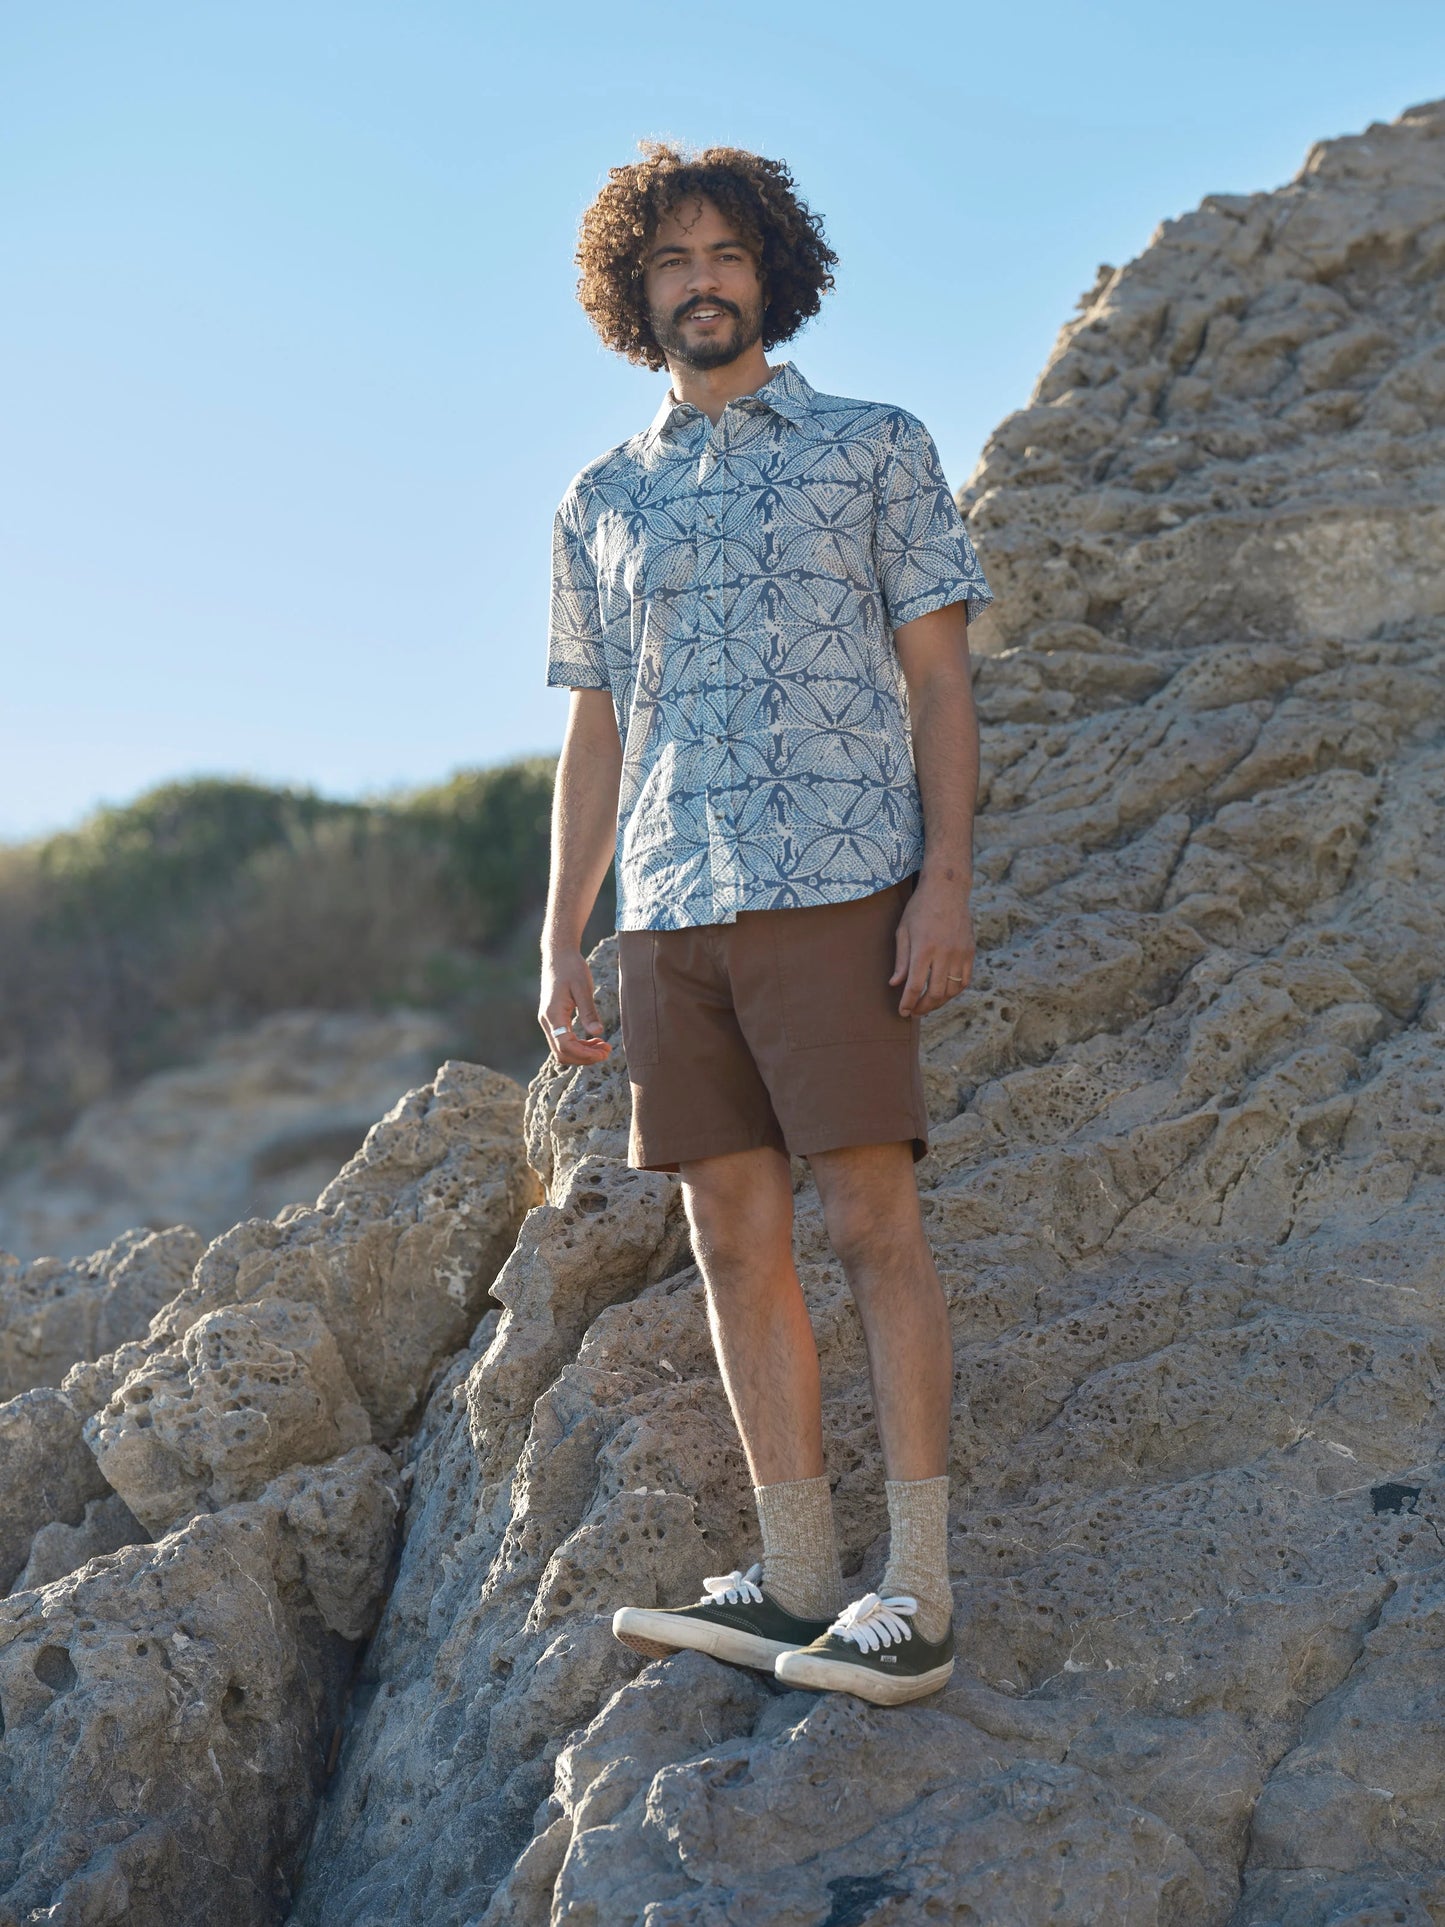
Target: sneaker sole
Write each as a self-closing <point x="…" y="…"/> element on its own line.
<point x="800" y="1668"/>
<point x="658" y="1634"/>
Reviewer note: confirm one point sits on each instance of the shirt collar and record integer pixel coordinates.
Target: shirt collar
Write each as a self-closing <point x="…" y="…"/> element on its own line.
<point x="786" y="392"/>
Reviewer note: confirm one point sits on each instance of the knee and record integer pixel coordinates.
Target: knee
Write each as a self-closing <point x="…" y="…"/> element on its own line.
<point x="738" y="1235"/>
<point x="868" y="1240"/>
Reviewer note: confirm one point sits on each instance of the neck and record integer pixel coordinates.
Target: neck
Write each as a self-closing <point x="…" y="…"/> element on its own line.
<point x="711" y="389"/>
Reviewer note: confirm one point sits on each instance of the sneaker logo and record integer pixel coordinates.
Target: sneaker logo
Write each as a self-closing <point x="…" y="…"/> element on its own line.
<point x="888" y="1659"/>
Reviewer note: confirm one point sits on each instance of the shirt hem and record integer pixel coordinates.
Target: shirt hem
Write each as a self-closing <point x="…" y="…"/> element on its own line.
<point x="908" y="868"/>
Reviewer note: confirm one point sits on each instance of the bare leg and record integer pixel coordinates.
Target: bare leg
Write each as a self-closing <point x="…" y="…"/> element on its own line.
<point x="870" y="1204"/>
<point x="740" y="1208"/>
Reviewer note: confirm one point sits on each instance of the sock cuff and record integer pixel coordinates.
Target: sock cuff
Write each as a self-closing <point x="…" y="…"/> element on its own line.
<point x="793" y="1485"/>
<point x="794" y="1500"/>
<point x="918" y="1488"/>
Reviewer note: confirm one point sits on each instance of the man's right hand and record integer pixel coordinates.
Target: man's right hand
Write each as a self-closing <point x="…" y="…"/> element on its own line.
<point x="567" y="993"/>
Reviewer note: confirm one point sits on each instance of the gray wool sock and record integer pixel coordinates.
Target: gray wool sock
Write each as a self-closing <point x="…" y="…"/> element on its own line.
<point x="800" y="1547"/>
<point x="918" y="1550"/>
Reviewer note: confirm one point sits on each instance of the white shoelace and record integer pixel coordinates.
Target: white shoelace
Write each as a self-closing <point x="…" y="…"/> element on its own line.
<point x="871" y="1622"/>
<point x="734" y="1588"/>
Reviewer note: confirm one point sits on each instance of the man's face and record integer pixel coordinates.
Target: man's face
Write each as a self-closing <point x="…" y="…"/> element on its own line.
<point x="703" y="288"/>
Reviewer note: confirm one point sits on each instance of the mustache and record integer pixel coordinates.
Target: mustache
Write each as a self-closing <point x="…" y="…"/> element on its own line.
<point x="704" y="301"/>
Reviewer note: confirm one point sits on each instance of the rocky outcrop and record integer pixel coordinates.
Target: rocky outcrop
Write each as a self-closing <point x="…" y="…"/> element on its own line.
<point x="1242" y="434"/>
<point x="55" y="1312"/>
<point x="265" y="1119"/>
<point x="169" y="1709"/>
<point x="48" y="1476"/>
<point x="1185" y="1197"/>
<point x="1186" y="1188"/>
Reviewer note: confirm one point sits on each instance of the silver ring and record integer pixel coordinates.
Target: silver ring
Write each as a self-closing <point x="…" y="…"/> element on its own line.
<point x="953" y="980"/>
<point x="561" y="1030"/>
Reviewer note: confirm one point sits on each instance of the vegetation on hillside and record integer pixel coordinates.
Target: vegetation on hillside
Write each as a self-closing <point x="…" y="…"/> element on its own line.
<point x="129" y="942"/>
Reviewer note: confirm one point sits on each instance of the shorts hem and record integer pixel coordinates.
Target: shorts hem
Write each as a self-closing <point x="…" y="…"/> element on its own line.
<point x="866" y="1134"/>
<point x="715" y="1144"/>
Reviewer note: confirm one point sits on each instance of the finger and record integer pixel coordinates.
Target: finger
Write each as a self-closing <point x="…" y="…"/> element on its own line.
<point x="916" y="987"/>
<point x="959" y="973"/>
<point x="587" y="1010"/>
<point x="573" y="1050"/>
<point x="900" y="954"/>
<point x="565" y="1046"/>
<point x="554" y="1040"/>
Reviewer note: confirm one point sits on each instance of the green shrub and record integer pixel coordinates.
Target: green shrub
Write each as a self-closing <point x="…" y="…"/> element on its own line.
<point x="127" y="943"/>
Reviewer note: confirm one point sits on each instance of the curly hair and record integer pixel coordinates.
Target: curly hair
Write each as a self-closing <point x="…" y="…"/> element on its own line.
<point x="617" y="230"/>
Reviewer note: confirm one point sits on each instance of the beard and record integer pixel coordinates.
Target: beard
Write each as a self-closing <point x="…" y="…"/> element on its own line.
<point x="725" y="346"/>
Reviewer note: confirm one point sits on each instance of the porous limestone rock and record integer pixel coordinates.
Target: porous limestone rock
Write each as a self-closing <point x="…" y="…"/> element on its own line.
<point x="46" y="1474"/>
<point x="167" y="1710"/>
<point x="57" y="1549"/>
<point x="55" y="1311"/>
<point x="251" y="1390"/>
<point x="398" y="1254"/>
<point x="1185" y="1187"/>
<point x="1241" y="435"/>
<point x="266" y="1118"/>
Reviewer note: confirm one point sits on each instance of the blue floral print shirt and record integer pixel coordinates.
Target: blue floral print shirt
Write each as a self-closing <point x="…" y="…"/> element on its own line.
<point x="736" y="586"/>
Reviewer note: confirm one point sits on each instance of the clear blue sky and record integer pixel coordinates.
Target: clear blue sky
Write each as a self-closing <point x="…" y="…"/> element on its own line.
<point x="291" y="371"/>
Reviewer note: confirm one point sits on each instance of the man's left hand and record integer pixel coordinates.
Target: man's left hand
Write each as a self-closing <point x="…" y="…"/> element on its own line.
<point x="933" y="947"/>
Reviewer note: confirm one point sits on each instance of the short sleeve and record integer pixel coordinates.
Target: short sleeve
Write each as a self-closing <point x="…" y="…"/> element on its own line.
<point x="924" y="556"/>
<point x="575" y="656"/>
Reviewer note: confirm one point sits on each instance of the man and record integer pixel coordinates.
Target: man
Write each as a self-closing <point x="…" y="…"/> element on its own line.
<point x="760" y="605"/>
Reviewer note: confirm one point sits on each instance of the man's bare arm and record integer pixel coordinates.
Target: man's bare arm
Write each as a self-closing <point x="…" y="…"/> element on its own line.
<point x="935" y="933"/>
<point x="584" y="832"/>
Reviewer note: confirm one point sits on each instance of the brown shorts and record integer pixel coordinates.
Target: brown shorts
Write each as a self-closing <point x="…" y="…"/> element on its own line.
<point x="781" y="1028"/>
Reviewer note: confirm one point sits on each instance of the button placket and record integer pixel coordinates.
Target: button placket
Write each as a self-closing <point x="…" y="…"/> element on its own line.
<point x="722" y="841"/>
<point x="709" y="549"/>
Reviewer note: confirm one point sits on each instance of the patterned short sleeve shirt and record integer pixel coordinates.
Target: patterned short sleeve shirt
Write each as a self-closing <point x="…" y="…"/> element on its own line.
<point x="735" y="586"/>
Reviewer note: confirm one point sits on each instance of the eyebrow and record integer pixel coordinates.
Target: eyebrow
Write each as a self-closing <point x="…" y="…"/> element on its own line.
<point x="681" y="247"/>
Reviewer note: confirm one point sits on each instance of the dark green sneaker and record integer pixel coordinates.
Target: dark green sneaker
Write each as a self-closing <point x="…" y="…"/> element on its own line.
<point x="734" y="1620"/>
<point x="871" y="1650"/>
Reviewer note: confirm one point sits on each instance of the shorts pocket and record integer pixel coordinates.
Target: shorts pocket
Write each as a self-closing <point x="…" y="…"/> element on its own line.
<point x="834" y="961"/>
<point x="637" y="994"/>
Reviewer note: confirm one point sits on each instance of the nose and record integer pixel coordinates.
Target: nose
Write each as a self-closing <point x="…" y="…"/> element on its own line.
<point x="703" y="278"/>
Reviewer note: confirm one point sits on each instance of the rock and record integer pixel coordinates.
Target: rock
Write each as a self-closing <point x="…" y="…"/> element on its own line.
<point x="847" y="1808"/>
<point x="1241" y="432"/>
<point x="495" y="1635"/>
<point x="250" y="1390"/>
<point x="266" y="1119"/>
<point x="397" y="1256"/>
<point x="58" y="1549"/>
<point x="1358" y="1797"/>
<point x="167" y="1709"/>
<point x="55" y="1311"/>
<point x="48" y="1473"/>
